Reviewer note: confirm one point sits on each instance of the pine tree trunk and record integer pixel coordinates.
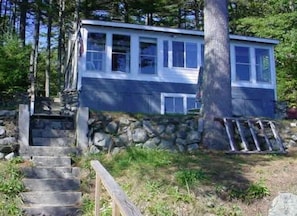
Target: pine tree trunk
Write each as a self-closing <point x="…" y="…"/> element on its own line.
<point x="61" y="42"/>
<point x="48" y="49"/>
<point x="217" y="73"/>
<point x="23" y="19"/>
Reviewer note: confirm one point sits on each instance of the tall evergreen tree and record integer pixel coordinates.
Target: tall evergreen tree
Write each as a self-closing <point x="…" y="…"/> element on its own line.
<point x="217" y="73"/>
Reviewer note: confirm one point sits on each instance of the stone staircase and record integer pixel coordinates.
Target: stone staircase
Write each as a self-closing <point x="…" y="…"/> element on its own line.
<point x="52" y="183"/>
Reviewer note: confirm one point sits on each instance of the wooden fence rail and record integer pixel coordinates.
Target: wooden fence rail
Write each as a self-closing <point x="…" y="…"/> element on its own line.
<point x="121" y="205"/>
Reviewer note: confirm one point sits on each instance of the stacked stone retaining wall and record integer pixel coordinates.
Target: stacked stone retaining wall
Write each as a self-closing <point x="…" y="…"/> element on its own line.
<point x="114" y="131"/>
<point x="8" y="134"/>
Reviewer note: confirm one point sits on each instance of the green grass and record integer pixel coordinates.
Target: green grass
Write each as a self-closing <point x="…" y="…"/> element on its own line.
<point x="165" y="183"/>
<point x="10" y="187"/>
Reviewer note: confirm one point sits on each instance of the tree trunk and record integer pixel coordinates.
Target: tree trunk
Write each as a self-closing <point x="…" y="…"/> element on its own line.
<point x="23" y="19"/>
<point x="217" y="73"/>
<point x="61" y="42"/>
<point x="48" y="49"/>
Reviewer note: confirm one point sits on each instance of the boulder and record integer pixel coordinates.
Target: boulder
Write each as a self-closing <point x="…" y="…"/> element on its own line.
<point x="10" y="156"/>
<point x="139" y="135"/>
<point x="8" y="140"/>
<point x="112" y="127"/>
<point x="102" y="140"/>
<point x="2" y="132"/>
<point x="285" y="204"/>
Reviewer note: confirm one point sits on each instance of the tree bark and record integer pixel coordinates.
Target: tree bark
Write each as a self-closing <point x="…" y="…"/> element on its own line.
<point x="23" y="19"/>
<point x="217" y="73"/>
<point x="48" y="49"/>
<point x="61" y="42"/>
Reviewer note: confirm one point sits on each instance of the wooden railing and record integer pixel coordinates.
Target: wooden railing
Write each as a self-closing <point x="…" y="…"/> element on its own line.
<point x="121" y="205"/>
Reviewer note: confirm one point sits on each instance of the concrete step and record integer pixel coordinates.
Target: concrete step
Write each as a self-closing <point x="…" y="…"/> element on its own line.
<point x="45" y="161"/>
<point x="69" y="184"/>
<point x="47" y="151"/>
<point x="52" y="133"/>
<point x="51" y="172"/>
<point x="62" y="142"/>
<point x="55" y="122"/>
<point x="35" y="210"/>
<point x="56" y="198"/>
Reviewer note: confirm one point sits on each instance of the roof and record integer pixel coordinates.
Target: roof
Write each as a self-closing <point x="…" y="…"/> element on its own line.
<point x="173" y="30"/>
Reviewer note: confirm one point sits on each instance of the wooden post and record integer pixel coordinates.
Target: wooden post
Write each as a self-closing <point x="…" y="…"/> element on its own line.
<point x="230" y="134"/>
<point x="276" y="136"/>
<point x="269" y="145"/>
<point x="98" y="191"/>
<point x="240" y="131"/>
<point x="121" y="203"/>
<point x="115" y="209"/>
<point x="254" y="135"/>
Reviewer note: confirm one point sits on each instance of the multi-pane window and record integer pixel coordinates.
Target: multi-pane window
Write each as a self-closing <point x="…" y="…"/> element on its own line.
<point x="252" y="64"/>
<point x="95" y="57"/>
<point x="178" y="103"/>
<point x="243" y="64"/>
<point x="121" y="53"/>
<point x="263" y="65"/>
<point x="184" y="54"/>
<point x="148" y="55"/>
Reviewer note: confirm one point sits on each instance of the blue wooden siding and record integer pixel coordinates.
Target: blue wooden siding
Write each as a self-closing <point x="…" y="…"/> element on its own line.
<point x="253" y="102"/>
<point x="128" y="95"/>
<point x="145" y="96"/>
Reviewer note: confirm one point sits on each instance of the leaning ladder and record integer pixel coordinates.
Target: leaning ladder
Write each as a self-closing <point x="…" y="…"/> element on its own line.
<point x="253" y="135"/>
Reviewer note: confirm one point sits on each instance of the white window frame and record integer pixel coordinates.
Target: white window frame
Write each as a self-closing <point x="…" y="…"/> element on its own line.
<point x="184" y="96"/>
<point x="170" y="53"/>
<point x="253" y="83"/>
<point x="152" y="41"/>
<point x="92" y="52"/>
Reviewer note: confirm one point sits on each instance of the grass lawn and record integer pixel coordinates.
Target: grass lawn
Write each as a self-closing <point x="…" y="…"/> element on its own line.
<point x="206" y="183"/>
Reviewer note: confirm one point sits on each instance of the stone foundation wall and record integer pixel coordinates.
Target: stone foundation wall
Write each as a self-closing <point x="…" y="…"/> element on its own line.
<point x="8" y="134"/>
<point x="112" y="132"/>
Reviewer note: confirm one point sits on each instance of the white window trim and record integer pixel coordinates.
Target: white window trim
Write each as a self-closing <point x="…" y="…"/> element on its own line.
<point x="253" y="83"/>
<point x="151" y="40"/>
<point x="184" y="96"/>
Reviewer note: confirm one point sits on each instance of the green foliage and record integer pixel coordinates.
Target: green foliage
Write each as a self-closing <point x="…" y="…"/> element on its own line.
<point x="14" y="64"/>
<point x="257" y="190"/>
<point x="273" y="19"/>
<point x="189" y="177"/>
<point x="10" y="186"/>
<point x="226" y="211"/>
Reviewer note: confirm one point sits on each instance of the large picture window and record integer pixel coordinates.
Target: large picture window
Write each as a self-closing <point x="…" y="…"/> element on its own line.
<point x="252" y="64"/>
<point x="121" y="53"/>
<point x="148" y="55"/>
<point x="95" y="57"/>
<point x="174" y="103"/>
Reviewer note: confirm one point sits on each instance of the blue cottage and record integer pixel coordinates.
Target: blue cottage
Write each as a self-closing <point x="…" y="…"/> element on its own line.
<point x="147" y="69"/>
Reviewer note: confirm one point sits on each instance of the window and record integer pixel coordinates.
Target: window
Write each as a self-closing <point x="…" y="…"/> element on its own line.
<point x="121" y="53"/>
<point x="252" y="64"/>
<point x="178" y="54"/>
<point x="178" y="103"/>
<point x="184" y="54"/>
<point x="148" y="55"/>
<point x="191" y="55"/>
<point x="263" y="65"/>
<point x="95" y="58"/>
<point x="243" y="65"/>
